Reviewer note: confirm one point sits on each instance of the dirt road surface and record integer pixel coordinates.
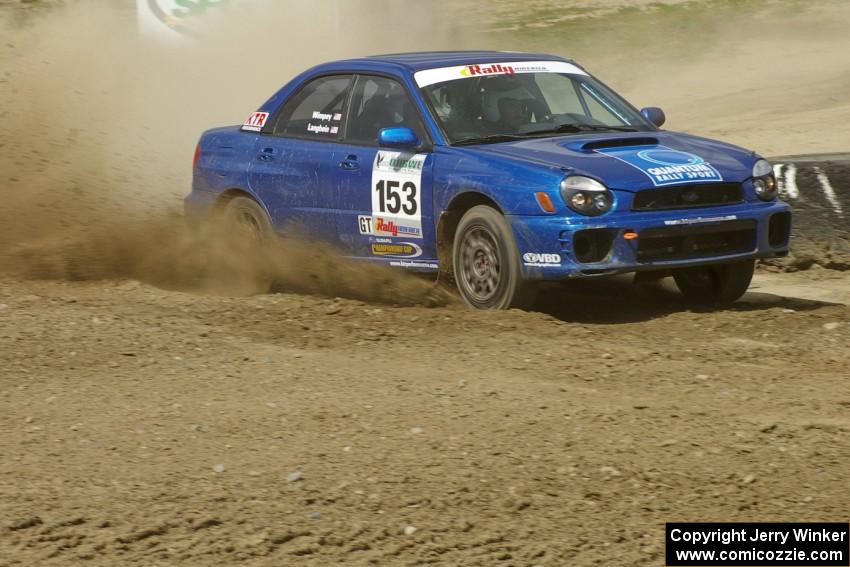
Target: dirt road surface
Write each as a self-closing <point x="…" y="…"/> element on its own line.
<point x="146" y="427"/>
<point x="146" y="421"/>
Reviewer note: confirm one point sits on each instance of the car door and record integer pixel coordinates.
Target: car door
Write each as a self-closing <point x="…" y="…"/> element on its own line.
<point x="384" y="196"/>
<point x="293" y="169"/>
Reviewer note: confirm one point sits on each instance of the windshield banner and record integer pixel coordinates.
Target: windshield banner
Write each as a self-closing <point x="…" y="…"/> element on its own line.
<point x="433" y="76"/>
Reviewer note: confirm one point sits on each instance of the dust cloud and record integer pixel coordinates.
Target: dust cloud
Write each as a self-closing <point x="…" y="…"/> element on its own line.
<point x="100" y="124"/>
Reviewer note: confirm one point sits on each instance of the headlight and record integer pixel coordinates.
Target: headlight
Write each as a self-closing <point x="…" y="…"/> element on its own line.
<point x="764" y="181"/>
<point x="586" y="196"/>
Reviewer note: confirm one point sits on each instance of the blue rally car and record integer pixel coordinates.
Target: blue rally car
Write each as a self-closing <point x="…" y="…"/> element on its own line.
<point x="497" y="170"/>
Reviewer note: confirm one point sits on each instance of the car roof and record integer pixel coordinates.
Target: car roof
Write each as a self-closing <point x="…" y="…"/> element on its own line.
<point x="434" y="59"/>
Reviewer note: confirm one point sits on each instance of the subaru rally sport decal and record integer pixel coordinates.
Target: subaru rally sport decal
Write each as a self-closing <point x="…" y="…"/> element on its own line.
<point x="665" y="166"/>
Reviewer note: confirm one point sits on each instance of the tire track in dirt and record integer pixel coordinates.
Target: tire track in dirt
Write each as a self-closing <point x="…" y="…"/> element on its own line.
<point x="172" y="430"/>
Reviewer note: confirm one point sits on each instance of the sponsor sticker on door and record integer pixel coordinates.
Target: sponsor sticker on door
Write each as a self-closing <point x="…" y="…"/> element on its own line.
<point x="397" y="250"/>
<point x="397" y="194"/>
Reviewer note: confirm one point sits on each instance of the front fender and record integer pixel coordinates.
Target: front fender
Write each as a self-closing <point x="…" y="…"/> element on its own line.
<point x="508" y="183"/>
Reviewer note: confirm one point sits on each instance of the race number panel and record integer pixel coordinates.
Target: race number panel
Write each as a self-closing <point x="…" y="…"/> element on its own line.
<point x="397" y="194"/>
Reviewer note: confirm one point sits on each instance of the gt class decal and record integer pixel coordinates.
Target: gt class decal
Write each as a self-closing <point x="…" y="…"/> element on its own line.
<point x="397" y="194"/>
<point x="256" y="121"/>
<point x="665" y="166"/>
<point x="364" y="224"/>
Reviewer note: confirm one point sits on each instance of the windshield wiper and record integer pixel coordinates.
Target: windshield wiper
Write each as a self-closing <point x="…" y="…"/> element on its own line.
<point x="492" y="139"/>
<point x="564" y="128"/>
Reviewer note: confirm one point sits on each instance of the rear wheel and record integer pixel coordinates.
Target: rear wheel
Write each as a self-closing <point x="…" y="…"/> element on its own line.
<point x="247" y="221"/>
<point x="486" y="262"/>
<point x="241" y="256"/>
<point x="719" y="284"/>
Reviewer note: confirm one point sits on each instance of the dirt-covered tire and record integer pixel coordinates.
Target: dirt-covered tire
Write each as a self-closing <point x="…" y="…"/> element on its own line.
<point x="486" y="262"/>
<point x="247" y="219"/>
<point x="243" y="250"/>
<point x="719" y="284"/>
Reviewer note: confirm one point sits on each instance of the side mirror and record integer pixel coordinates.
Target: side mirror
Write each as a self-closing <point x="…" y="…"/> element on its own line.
<point x="654" y="115"/>
<point x="398" y="137"/>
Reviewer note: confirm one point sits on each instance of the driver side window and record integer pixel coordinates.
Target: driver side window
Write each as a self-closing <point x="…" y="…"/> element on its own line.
<point x="379" y="102"/>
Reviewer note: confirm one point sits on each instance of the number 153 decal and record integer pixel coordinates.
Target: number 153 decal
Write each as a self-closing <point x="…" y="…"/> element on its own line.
<point x="396" y="194"/>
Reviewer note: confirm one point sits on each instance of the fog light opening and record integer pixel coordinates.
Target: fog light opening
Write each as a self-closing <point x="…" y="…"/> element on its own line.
<point x="779" y="230"/>
<point x="593" y="245"/>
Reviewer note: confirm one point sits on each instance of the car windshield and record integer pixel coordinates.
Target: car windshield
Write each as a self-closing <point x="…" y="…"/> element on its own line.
<point x="499" y="103"/>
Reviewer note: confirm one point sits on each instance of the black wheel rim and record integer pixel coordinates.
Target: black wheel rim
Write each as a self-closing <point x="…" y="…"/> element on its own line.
<point x="480" y="269"/>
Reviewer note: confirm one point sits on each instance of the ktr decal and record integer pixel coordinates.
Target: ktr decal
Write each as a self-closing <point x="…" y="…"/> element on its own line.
<point x="256" y="121"/>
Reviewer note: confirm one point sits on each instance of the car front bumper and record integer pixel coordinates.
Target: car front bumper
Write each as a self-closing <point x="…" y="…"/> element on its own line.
<point x="557" y="247"/>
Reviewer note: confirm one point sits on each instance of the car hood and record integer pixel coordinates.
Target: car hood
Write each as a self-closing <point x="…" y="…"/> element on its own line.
<point x="632" y="161"/>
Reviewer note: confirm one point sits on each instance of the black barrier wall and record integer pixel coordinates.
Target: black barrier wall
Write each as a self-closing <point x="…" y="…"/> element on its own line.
<point x="818" y="187"/>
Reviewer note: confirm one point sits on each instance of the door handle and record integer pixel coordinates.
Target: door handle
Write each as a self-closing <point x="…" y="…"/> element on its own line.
<point x="350" y="162"/>
<point x="266" y="155"/>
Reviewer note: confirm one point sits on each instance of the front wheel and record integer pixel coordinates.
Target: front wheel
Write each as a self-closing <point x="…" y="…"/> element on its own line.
<point x="719" y="284"/>
<point x="486" y="262"/>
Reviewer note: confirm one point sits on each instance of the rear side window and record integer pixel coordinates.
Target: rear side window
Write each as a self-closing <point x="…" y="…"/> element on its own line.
<point x="316" y="111"/>
<point x="379" y="102"/>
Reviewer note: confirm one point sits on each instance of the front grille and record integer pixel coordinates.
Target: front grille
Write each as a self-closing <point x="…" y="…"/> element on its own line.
<point x="688" y="196"/>
<point x="685" y="242"/>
